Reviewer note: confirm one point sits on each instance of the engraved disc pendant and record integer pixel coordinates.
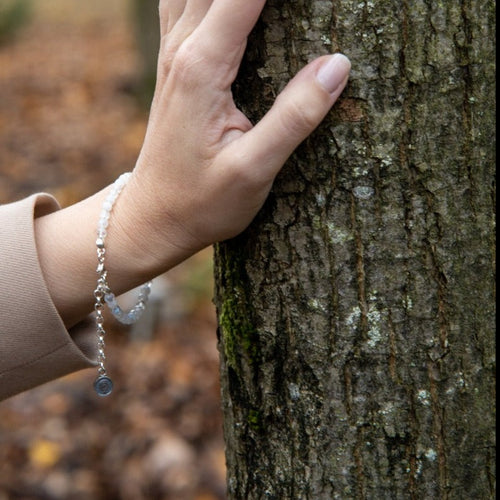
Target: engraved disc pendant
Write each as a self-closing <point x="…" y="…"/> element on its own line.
<point x="103" y="386"/>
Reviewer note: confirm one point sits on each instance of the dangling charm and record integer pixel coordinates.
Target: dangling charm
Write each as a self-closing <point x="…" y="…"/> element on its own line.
<point x="103" y="386"/>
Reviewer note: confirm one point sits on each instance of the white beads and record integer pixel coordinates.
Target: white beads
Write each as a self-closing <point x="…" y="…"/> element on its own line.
<point x="123" y="316"/>
<point x="107" y="206"/>
<point x="102" y="293"/>
<point x="130" y="317"/>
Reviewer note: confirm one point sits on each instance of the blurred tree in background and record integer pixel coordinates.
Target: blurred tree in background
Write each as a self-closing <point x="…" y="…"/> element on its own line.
<point x="70" y="123"/>
<point x="145" y="16"/>
<point x="14" y="14"/>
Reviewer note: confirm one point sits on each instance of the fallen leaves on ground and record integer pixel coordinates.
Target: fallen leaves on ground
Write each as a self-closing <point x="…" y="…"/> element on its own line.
<point x="69" y="124"/>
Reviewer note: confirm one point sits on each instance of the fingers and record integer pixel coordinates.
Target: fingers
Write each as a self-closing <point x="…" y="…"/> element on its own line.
<point x="217" y="31"/>
<point x="296" y="113"/>
<point x="189" y="12"/>
<point x="227" y="25"/>
<point x="178" y="19"/>
<point x="224" y="24"/>
<point x="195" y="11"/>
<point x="170" y="12"/>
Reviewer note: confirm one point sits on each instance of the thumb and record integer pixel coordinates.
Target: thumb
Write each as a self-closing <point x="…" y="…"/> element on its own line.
<point x="298" y="110"/>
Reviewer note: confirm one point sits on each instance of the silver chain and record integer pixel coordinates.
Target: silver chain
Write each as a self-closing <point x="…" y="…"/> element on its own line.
<point x="103" y="295"/>
<point x="103" y="384"/>
<point x="99" y="294"/>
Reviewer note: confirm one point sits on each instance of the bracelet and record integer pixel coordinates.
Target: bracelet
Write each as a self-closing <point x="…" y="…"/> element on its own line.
<point x="103" y="385"/>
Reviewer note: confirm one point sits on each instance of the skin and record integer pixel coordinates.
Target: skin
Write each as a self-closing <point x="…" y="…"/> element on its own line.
<point x="204" y="170"/>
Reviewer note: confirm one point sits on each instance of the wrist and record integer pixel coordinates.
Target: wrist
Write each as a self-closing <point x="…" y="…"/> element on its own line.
<point x="144" y="238"/>
<point x="140" y="244"/>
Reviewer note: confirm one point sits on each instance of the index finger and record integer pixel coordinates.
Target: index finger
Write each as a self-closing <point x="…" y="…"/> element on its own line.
<point x="227" y="25"/>
<point x="170" y="11"/>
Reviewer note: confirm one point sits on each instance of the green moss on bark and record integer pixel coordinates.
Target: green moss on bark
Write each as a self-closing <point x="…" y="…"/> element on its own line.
<point x="238" y="333"/>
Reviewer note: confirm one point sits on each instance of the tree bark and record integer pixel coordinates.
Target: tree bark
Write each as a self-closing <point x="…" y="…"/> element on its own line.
<point x="357" y="312"/>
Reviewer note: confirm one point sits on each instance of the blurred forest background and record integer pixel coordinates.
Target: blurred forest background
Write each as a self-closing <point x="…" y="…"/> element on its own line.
<point x="75" y="84"/>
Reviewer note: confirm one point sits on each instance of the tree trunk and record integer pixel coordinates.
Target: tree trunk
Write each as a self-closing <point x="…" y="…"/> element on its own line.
<point x="357" y="312"/>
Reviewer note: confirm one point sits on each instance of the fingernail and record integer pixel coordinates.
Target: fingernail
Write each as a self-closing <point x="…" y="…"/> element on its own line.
<point x="334" y="72"/>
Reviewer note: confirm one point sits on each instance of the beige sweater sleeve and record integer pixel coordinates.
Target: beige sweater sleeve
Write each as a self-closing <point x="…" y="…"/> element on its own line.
<point x="35" y="346"/>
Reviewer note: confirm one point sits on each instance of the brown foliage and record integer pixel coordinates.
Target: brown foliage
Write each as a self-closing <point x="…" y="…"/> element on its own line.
<point x="69" y="124"/>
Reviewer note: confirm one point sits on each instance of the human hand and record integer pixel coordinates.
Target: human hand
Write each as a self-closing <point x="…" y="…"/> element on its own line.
<point x="204" y="170"/>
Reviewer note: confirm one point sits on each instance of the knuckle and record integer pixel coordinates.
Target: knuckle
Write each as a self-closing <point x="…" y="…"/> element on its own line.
<point x="165" y="59"/>
<point x="190" y="61"/>
<point x="186" y="63"/>
<point x="178" y="58"/>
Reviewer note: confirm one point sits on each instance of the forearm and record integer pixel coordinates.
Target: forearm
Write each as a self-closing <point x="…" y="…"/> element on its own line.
<point x="136" y="250"/>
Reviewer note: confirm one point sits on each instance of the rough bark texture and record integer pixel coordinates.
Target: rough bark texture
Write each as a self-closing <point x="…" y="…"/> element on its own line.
<point x="357" y="312"/>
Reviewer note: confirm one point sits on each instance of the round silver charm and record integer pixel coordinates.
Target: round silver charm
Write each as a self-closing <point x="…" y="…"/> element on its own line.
<point x="103" y="386"/>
